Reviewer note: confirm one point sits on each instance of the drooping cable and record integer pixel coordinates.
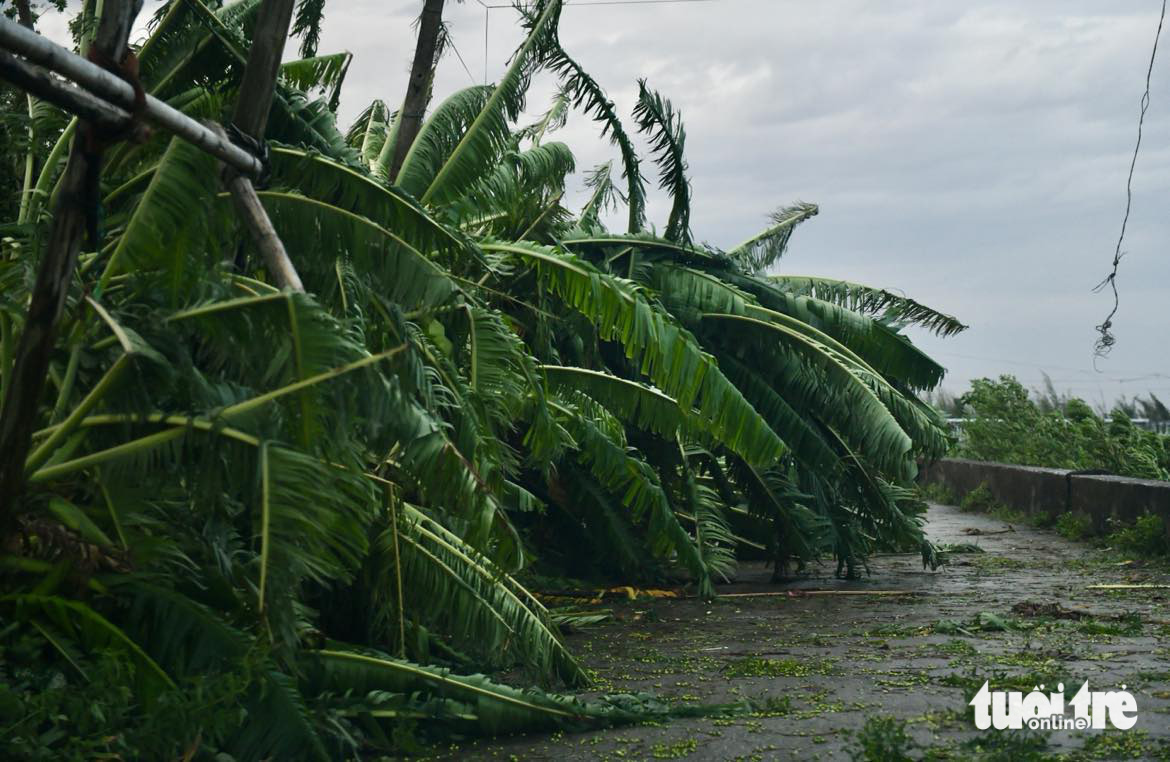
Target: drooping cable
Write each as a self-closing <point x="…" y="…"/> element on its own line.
<point x="1106" y="340"/>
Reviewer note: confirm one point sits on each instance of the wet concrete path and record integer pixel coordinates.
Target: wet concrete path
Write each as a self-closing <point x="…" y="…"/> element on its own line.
<point x="821" y="666"/>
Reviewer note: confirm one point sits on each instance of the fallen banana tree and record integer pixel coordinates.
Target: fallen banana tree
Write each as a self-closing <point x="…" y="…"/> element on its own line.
<point x="322" y="505"/>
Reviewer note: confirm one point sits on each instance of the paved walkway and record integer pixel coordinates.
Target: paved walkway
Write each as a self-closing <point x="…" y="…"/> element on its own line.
<point x="824" y="665"/>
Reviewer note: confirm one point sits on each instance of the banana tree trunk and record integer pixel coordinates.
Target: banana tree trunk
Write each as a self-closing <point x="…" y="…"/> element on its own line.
<point x="418" y="90"/>
<point x="31" y="364"/>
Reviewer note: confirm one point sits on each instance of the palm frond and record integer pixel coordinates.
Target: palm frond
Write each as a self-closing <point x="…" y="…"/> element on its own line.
<point x="193" y="43"/>
<point x="484" y="610"/>
<point x="488" y="135"/>
<point x="280" y="724"/>
<point x="403" y="274"/>
<point x="808" y="374"/>
<point x="885" y="305"/>
<point x="603" y="197"/>
<point x="765" y="248"/>
<point x="517" y="191"/>
<point x="799" y="531"/>
<point x="878" y="343"/>
<point x="492" y="708"/>
<point x="647" y="408"/>
<point x="587" y="95"/>
<point x="649" y="242"/>
<point x="552" y="120"/>
<point x="323" y="73"/>
<point x="661" y="349"/>
<point x="658" y="120"/>
<point x="171" y="221"/>
<point x="322" y="179"/>
<point x="713" y="536"/>
<point x="307" y="24"/>
<point x="623" y="474"/>
<point x="86" y="626"/>
<point x="802" y="435"/>
<point x="368" y="131"/>
<point x="437" y="139"/>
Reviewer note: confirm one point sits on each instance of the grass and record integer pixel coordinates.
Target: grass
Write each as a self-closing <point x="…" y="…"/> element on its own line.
<point x="676" y="750"/>
<point x="1128" y="744"/>
<point x="757" y="667"/>
<point x="1005" y="746"/>
<point x="883" y="739"/>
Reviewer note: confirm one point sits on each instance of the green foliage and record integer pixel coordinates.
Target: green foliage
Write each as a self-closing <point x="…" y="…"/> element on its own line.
<point x="758" y="667"/>
<point x="935" y="492"/>
<point x="882" y="739"/>
<point x="979" y="499"/>
<point x="1007" y="426"/>
<point x="885" y="739"/>
<point x="271" y="525"/>
<point x="1074" y="526"/>
<point x="1147" y="537"/>
<point x="765" y="248"/>
<point x="657" y="118"/>
<point x="87" y="708"/>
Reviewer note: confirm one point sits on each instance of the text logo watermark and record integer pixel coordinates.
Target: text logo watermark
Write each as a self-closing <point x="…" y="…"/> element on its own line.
<point x="1004" y="710"/>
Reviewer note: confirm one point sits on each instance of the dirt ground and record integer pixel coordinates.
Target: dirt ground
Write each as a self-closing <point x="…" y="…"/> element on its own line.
<point x="820" y="666"/>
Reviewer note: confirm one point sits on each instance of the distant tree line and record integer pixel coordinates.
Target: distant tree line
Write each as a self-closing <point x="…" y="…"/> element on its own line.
<point x="1003" y="422"/>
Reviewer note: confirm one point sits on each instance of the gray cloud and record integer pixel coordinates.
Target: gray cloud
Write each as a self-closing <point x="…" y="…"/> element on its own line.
<point x="971" y="154"/>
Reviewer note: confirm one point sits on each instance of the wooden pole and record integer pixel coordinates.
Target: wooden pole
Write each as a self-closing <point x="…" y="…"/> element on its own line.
<point x="54" y="275"/>
<point x="418" y="89"/>
<point x="24" y="13"/>
<point x="40" y="50"/>
<point x="251" y="117"/>
<point x="256" y="91"/>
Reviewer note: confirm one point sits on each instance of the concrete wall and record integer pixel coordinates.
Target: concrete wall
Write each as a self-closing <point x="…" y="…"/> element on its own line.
<point x="1119" y="498"/>
<point x="1053" y="491"/>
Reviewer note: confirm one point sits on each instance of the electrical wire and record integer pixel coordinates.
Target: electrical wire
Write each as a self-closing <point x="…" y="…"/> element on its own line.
<point x="1106" y="340"/>
<point x="459" y="55"/>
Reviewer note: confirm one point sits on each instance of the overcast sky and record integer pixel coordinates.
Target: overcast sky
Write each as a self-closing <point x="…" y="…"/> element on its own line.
<point x="970" y="154"/>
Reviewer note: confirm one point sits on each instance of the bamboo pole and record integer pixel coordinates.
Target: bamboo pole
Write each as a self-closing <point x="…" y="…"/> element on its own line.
<point x="24" y="16"/>
<point x="253" y="103"/>
<point x="39" y="82"/>
<point x="42" y="51"/>
<point x="276" y="259"/>
<point x="31" y="365"/>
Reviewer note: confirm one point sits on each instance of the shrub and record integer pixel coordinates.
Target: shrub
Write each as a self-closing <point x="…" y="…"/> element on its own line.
<point x="1147" y="537"/>
<point x="979" y="499"/>
<point x="85" y="707"/>
<point x="937" y="493"/>
<point x="1074" y="526"/>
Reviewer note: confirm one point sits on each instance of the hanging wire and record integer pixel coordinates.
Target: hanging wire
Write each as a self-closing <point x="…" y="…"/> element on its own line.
<point x="1106" y="340"/>
<point x="459" y="55"/>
